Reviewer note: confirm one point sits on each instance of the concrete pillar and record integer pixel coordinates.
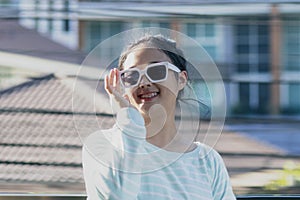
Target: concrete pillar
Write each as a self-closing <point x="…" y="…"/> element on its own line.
<point x="275" y="47"/>
<point x="81" y="35"/>
<point x="175" y="25"/>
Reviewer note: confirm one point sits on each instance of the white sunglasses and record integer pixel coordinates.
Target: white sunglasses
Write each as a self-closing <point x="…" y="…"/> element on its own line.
<point x="156" y="72"/>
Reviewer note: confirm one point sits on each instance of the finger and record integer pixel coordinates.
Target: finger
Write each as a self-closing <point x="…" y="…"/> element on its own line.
<point x="106" y="84"/>
<point x="115" y="77"/>
<point x="109" y="81"/>
<point x="110" y="78"/>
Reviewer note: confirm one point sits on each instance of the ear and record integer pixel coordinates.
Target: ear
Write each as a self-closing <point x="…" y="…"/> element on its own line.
<point x="182" y="80"/>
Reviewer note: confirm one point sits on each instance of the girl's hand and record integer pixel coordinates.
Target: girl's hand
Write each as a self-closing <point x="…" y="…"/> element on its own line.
<point x="115" y="90"/>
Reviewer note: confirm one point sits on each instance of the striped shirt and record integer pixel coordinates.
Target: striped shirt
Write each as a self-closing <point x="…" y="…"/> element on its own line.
<point x="118" y="166"/>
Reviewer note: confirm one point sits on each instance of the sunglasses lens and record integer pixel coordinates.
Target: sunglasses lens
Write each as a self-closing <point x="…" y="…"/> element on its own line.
<point x="157" y="73"/>
<point x="130" y="78"/>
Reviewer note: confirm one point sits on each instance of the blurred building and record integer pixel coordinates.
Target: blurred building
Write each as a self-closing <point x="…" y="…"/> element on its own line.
<point x="55" y="19"/>
<point x="255" y="44"/>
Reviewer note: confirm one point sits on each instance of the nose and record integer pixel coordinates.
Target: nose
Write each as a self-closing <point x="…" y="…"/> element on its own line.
<point x="145" y="82"/>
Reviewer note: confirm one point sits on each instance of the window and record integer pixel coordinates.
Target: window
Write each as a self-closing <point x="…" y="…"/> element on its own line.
<point x="209" y="30"/>
<point x="146" y="24"/>
<point x="204" y="30"/>
<point x="294" y="91"/>
<point x="204" y="33"/>
<point x="291" y="45"/>
<point x="94" y="35"/>
<point x="243" y="67"/>
<point x="264" y="98"/>
<point x="263" y="30"/>
<point x="243" y="49"/>
<point x="244" y="91"/>
<point x="66" y="22"/>
<point x="212" y="51"/>
<point x="243" y="30"/>
<point x="191" y="30"/>
<point x="164" y="25"/>
<point x="155" y="24"/>
<point x="292" y="62"/>
<point x="66" y="25"/>
<point x="252" y="57"/>
<point x="99" y="31"/>
<point x="263" y="49"/>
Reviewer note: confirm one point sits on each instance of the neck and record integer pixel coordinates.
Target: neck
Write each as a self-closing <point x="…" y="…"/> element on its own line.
<point x="163" y="136"/>
<point x="162" y="132"/>
<point x="167" y="138"/>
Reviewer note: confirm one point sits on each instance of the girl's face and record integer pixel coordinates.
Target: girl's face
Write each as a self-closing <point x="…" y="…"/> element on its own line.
<point x="146" y="94"/>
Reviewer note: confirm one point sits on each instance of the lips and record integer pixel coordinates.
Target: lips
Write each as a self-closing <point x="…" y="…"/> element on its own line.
<point x="148" y="95"/>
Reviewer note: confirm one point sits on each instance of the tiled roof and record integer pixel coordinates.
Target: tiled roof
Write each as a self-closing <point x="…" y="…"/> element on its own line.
<point x="39" y="138"/>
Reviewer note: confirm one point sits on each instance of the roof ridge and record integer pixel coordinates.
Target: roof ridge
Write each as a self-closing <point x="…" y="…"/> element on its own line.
<point x="33" y="81"/>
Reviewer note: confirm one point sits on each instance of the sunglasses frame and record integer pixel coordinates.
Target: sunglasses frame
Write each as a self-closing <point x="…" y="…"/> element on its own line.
<point x="167" y="65"/>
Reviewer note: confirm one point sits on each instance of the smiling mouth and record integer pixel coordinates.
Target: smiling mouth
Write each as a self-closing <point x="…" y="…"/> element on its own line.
<point x="148" y="96"/>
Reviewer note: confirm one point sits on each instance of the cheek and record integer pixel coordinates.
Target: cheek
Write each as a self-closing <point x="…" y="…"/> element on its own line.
<point x="129" y="91"/>
<point x="170" y="85"/>
<point x="131" y="94"/>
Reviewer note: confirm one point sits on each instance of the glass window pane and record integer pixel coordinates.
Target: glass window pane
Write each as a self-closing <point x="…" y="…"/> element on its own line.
<point x="95" y="35"/>
<point x="209" y="30"/>
<point x="243" y="39"/>
<point x="242" y="30"/>
<point x="264" y="98"/>
<point x="115" y="27"/>
<point x="66" y="25"/>
<point x="263" y="48"/>
<point x="263" y="39"/>
<point x="191" y="29"/>
<point x="263" y="29"/>
<point x="243" y="67"/>
<point x="212" y="51"/>
<point x="291" y="29"/>
<point x="293" y="62"/>
<point x="294" y="96"/>
<point x="244" y="90"/>
<point x="164" y="25"/>
<point x="263" y="58"/>
<point x="293" y="47"/>
<point x="263" y="67"/>
<point x="146" y="24"/>
<point x="293" y="37"/>
<point x="243" y="49"/>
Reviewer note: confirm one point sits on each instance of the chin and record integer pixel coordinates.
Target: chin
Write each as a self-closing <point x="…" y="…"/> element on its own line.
<point x="144" y="109"/>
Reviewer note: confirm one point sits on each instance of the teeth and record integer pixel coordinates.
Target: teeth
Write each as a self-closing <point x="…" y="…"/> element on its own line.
<point x="150" y="95"/>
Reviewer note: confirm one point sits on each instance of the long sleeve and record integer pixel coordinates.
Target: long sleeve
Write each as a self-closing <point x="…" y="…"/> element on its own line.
<point x="221" y="186"/>
<point x="100" y="181"/>
<point x="112" y="158"/>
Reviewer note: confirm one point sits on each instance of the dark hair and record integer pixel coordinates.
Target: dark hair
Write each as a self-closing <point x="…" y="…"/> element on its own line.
<point x="167" y="46"/>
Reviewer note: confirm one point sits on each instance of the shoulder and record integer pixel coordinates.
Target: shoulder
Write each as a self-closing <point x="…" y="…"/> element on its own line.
<point x="96" y="137"/>
<point x="102" y="143"/>
<point x="206" y="151"/>
<point x="216" y="171"/>
<point x="209" y="156"/>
